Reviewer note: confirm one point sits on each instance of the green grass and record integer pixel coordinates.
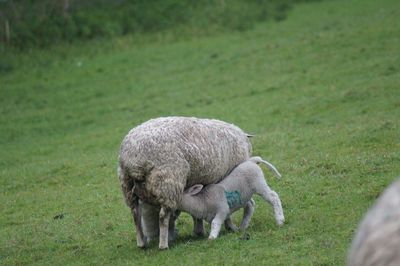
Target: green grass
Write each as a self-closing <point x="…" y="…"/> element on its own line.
<point x="320" y="90"/>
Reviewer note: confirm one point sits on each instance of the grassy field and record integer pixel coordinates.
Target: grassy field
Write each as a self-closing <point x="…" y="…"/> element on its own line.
<point x="321" y="90"/>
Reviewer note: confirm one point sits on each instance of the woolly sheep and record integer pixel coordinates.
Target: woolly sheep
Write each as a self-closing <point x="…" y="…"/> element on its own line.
<point x="162" y="156"/>
<point x="377" y="241"/>
<point x="216" y="202"/>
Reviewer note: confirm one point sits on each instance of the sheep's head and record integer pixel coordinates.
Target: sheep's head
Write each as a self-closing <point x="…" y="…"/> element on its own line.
<point x="161" y="188"/>
<point x="139" y="189"/>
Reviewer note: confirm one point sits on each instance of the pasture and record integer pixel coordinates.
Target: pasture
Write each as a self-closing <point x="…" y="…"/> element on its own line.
<point x="320" y="90"/>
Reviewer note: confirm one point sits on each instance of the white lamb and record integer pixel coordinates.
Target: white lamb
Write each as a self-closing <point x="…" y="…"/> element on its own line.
<point x="161" y="157"/>
<point x="216" y="202"/>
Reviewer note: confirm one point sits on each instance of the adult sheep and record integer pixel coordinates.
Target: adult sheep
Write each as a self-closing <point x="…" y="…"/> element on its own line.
<point x="161" y="157"/>
<point x="377" y="241"/>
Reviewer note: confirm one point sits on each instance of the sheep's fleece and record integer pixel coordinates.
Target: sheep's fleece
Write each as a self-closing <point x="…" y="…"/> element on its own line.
<point x="377" y="241"/>
<point x="172" y="153"/>
<point x="163" y="156"/>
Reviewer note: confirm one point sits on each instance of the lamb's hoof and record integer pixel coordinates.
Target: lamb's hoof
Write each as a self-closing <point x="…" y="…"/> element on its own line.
<point x="211" y="237"/>
<point x="280" y="221"/>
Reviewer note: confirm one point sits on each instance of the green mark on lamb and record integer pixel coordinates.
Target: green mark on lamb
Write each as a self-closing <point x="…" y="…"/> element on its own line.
<point x="233" y="198"/>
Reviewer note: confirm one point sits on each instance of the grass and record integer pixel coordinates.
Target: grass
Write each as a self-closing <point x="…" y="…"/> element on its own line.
<point x="320" y="90"/>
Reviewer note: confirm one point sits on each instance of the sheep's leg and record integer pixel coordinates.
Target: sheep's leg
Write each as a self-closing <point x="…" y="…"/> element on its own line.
<point x="164" y="217"/>
<point x="172" y="231"/>
<point x="140" y="238"/>
<point x="229" y="225"/>
<point x="216" y="225"/>
<point x="247" y="214"/>
<point x="272" y="197"/>
<point x="198" y="228"/>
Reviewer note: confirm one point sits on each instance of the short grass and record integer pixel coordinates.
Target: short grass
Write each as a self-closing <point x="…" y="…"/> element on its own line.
<point x="321" y="90"/>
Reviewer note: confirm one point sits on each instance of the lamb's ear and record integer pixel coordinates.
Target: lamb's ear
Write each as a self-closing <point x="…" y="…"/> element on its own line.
<point x="194" y="189"/>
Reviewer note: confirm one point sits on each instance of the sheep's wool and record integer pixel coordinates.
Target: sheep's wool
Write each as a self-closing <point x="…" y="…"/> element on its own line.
<point x="377" y="241"/>
<point x="169" y="154"/>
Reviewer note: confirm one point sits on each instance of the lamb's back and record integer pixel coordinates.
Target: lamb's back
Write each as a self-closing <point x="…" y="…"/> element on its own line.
<point x="243" y="178"/>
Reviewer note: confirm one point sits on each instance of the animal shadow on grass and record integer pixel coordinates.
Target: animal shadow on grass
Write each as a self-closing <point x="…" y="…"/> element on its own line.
<point x="187" y="240"/>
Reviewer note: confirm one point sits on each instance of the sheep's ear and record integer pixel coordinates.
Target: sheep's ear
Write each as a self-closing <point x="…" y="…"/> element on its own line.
<point x="194" y="189"/>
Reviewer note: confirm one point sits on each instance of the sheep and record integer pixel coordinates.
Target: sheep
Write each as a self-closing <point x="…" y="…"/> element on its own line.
<point x="161" y="157"/>
<point x="216" y="202"/>
<point x="377" y="241"/>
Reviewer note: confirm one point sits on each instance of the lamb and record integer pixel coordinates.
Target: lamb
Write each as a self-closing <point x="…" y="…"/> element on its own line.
<point x="161" y="157"/>
<point x="377" y="241"/>
<point x="216" y="202"/>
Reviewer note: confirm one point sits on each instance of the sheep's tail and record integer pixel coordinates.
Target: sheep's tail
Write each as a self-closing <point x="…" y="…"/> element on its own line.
<point x="258" y="160"/>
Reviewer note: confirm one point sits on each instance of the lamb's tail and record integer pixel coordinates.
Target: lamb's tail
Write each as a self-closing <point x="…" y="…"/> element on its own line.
<point x="258" y="160"/>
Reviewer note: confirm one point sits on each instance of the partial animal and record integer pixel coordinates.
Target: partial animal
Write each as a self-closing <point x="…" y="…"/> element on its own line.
<point x="161" y="157"/>
<point x="377" y="241"/>
<point x="216" y="202"/>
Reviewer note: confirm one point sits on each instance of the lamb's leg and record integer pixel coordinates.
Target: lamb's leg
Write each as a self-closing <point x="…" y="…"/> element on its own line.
<point x="198" y="228"/>
<point x="140" y="238"/>
<point x="216" y="224"/>
<point x="164" y="217"/>
<point x="229" y="225"/>
<point x="247" y="214"/>
<point x="272" y="197"/>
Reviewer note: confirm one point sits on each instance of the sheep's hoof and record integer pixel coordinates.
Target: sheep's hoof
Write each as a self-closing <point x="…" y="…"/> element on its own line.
<point x="141" y="245"/>
<point x="198" y="233"/>
<point x="232" y="229"/>
<point x="211" y="237"/>
<point x="162" y="247"/>
<point x="245" y="236"/>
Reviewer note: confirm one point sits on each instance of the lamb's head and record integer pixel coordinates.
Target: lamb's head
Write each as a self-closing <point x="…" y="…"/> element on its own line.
<point x="190" y="197"/>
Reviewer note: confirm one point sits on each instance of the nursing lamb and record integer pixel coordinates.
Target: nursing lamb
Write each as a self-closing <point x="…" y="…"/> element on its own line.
<point x="216" y="202"/>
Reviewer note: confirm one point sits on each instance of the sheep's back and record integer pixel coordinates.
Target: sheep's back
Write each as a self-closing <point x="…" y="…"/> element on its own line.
<point x="210" y="148"/>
